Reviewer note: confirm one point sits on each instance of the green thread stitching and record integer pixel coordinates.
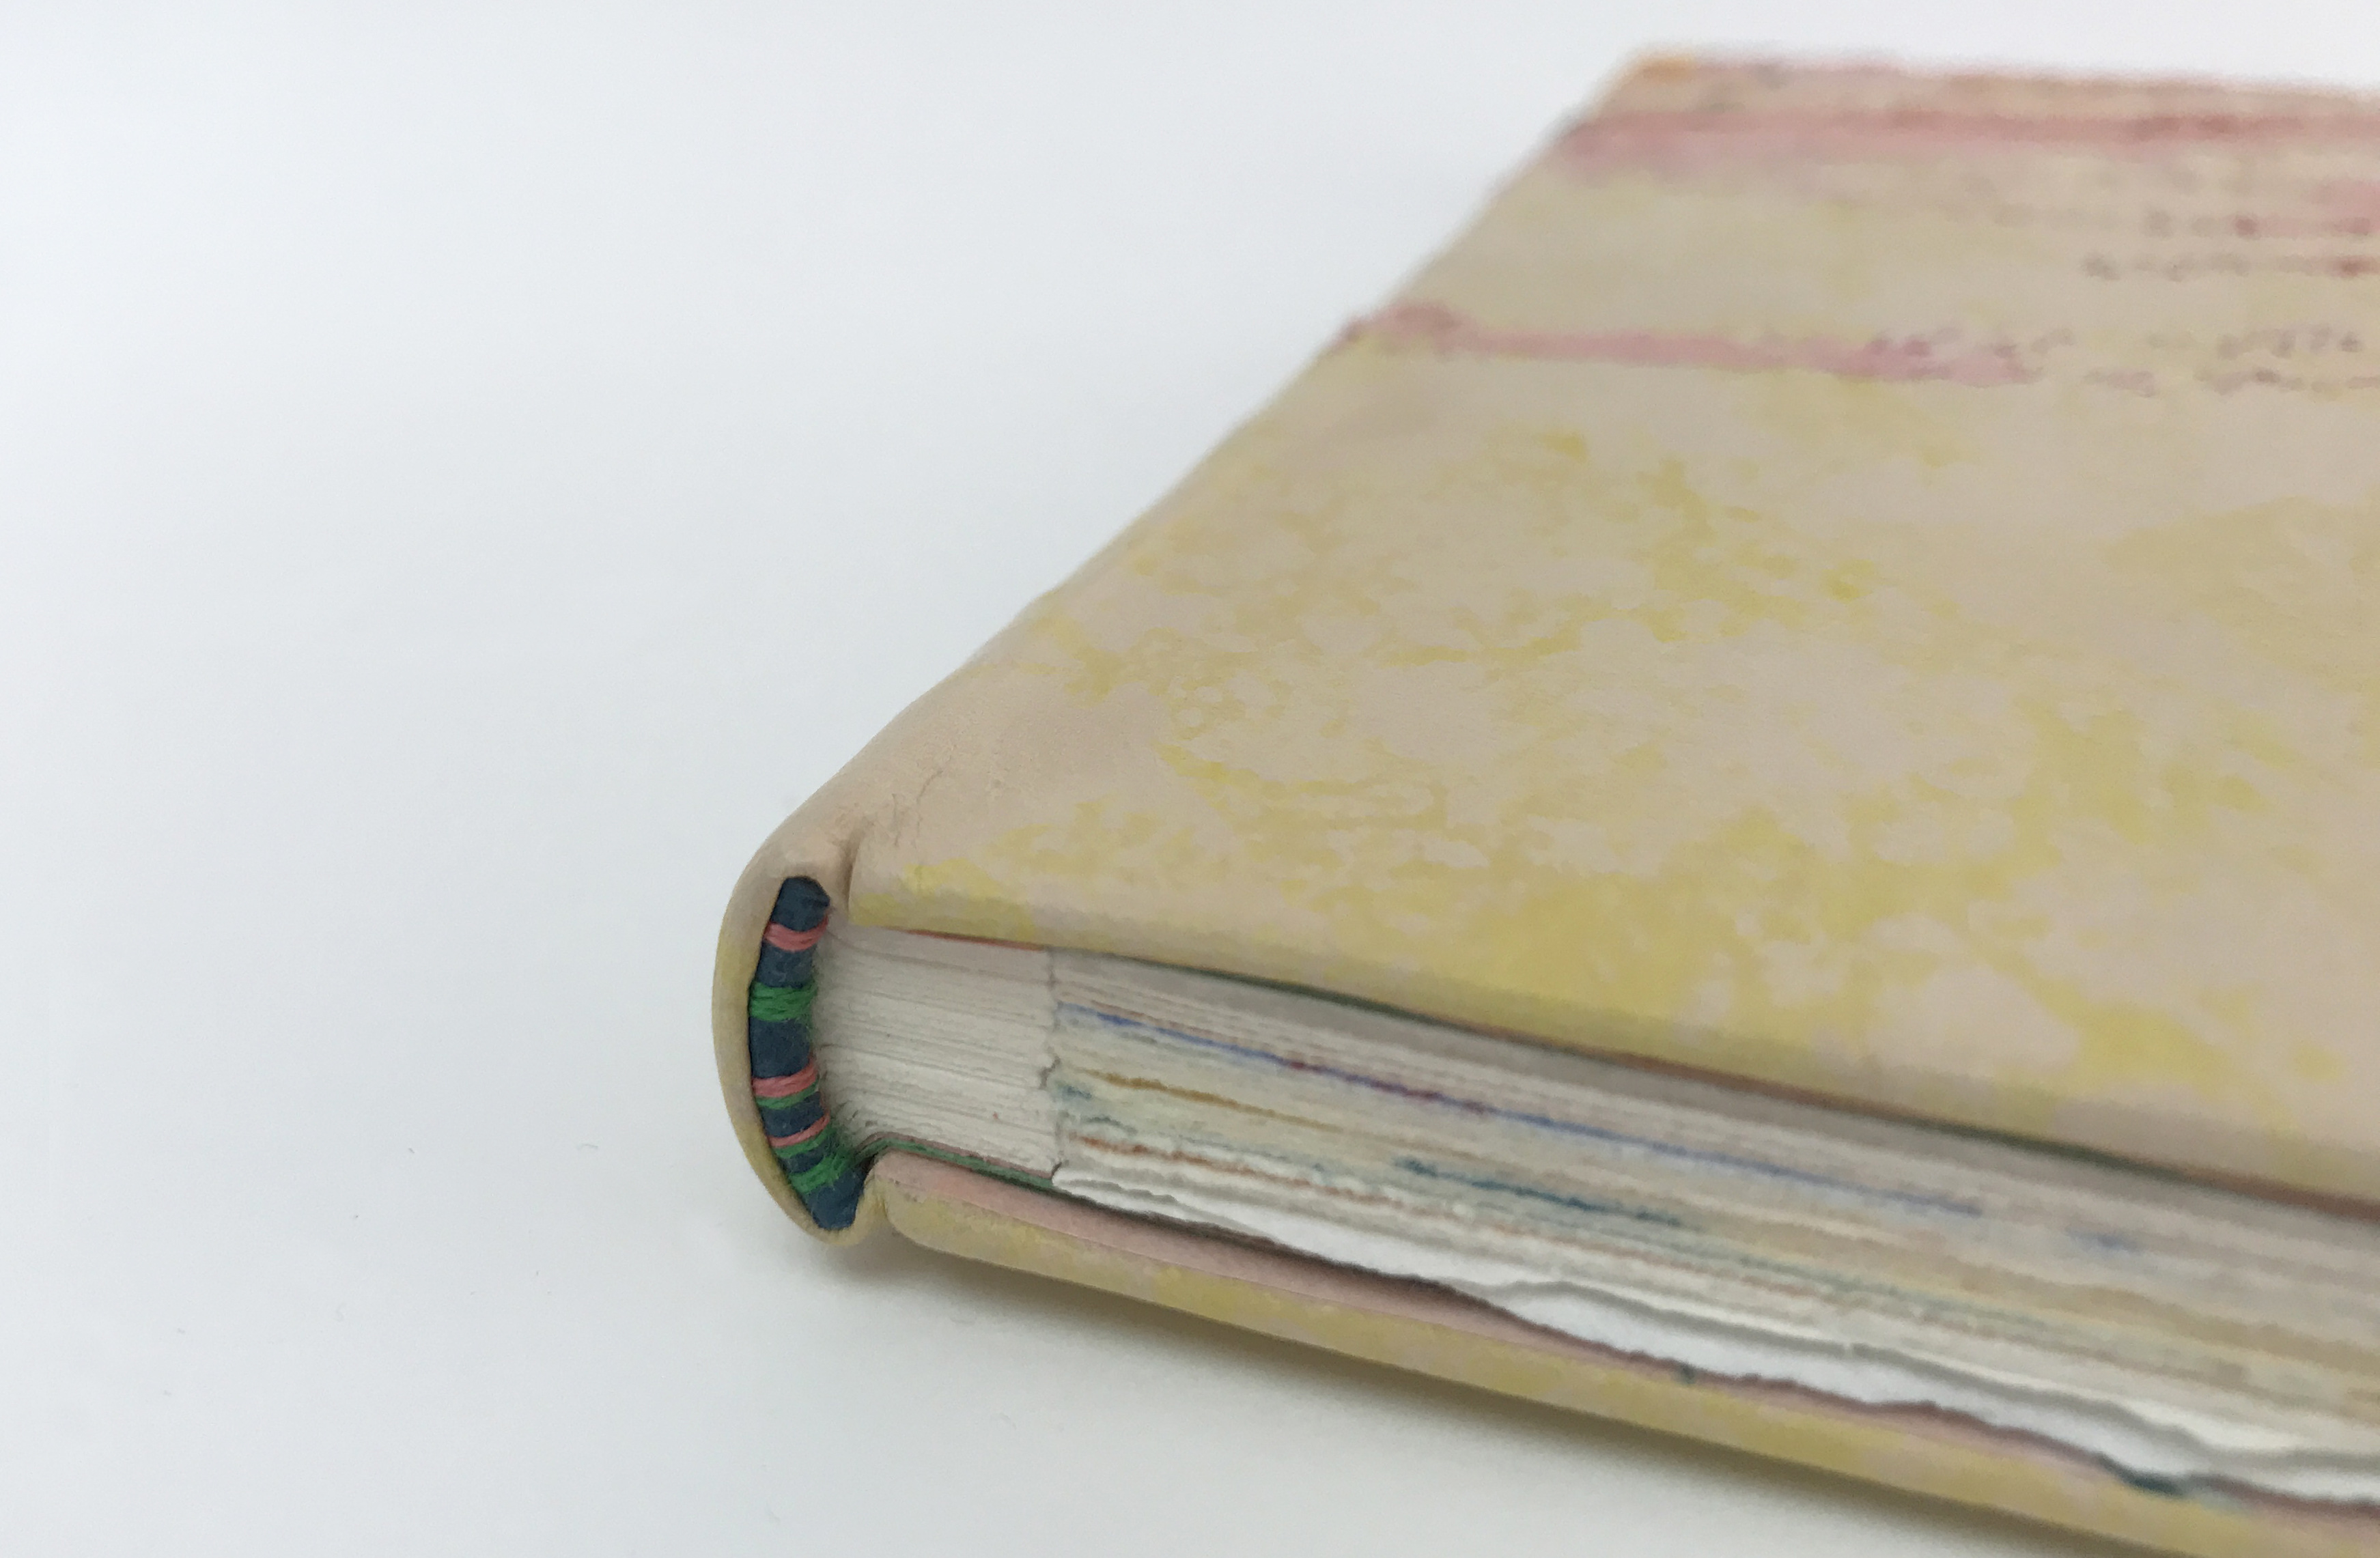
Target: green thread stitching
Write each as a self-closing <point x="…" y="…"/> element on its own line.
<point x="819" y="1175"/>
<point x="782" y="1003"/>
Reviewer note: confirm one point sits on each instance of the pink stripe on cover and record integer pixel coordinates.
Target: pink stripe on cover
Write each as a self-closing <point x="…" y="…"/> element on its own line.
<point x="1680" y="142"/>
<point x="1902" y="359"/>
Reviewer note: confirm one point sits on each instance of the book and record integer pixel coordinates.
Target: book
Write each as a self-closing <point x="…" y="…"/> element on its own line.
<point x="1752" y="808"/>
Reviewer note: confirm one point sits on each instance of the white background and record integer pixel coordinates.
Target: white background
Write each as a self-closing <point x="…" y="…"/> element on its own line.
<point x="465" y="472"/>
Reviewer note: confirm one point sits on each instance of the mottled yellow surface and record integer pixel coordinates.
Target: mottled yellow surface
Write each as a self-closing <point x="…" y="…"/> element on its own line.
<point x="1996" y="743"/>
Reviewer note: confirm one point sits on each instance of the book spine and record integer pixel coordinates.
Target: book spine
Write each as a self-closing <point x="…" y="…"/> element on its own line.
<point x="822" y="1169"/>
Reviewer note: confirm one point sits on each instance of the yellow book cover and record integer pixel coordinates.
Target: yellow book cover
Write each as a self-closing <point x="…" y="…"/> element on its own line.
<point x="1861" y="584"/>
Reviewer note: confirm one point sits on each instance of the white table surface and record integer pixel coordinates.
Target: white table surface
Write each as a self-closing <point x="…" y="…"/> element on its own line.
<point x="465" y="472"/>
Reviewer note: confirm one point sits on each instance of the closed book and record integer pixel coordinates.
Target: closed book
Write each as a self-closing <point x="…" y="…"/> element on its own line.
<point x="1754" y="808"/>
